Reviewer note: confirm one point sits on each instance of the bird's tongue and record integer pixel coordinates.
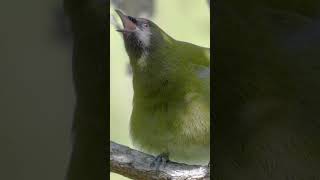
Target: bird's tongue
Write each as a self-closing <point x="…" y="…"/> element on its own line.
<point x="128" y="25"/>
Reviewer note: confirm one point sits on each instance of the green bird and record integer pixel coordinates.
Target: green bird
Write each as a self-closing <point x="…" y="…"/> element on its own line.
<point x="171" y="102"/>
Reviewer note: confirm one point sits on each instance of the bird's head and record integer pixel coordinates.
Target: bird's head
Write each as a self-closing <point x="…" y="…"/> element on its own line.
<point x="141" y="35"/>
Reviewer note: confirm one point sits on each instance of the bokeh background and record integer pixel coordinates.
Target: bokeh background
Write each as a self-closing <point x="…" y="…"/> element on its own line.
<point x="185" y="20"/>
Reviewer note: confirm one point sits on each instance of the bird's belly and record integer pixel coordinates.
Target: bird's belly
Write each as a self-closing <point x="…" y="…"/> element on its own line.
<point x="179" y="147"/>
<point x="190" y="153"/>
<point x="183" y="135"/>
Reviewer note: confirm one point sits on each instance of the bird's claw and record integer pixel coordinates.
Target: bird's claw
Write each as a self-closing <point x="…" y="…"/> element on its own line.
<point x="163" y="158"/>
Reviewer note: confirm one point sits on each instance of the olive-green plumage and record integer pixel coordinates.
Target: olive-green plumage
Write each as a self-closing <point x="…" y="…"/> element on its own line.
<point x="171" y="103"/>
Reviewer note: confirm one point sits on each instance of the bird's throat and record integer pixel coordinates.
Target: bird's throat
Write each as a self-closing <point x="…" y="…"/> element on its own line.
<point x="133" y="46"/>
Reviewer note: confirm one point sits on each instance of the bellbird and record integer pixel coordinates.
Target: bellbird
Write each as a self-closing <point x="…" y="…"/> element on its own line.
<point x="171" y="102"/>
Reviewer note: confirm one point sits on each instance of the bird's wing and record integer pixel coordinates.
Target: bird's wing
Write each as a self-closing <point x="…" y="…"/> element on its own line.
<point x="199" y="59"/>
<point x="197" y="55"/>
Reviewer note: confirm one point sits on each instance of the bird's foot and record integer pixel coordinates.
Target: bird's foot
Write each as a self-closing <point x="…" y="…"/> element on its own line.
<point x="163" y="158"/>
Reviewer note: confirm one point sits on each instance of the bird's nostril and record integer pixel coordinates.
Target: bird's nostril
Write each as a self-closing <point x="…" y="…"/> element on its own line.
<point x="132" y="19"/>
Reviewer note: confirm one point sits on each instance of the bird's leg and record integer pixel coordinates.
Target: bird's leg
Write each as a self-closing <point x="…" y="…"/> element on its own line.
<point x="163" y="158"/>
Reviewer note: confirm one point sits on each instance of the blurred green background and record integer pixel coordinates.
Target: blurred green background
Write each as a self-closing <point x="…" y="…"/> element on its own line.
<point x="185" y="20"/>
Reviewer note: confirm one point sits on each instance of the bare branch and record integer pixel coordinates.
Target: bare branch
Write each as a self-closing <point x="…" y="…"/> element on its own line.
<point x="136" y="165"/>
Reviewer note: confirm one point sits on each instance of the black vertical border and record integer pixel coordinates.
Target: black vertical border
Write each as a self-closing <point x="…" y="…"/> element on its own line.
<point x="108" y="70"/>
<point x="91" y="79"/>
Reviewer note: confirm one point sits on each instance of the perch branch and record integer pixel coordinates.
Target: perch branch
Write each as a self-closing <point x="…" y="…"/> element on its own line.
<point x="136" y="165"/>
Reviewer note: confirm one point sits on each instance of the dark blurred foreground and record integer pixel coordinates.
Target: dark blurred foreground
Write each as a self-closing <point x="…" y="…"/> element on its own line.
<point x="36" y="90"/>
<point x="267" y="90"/>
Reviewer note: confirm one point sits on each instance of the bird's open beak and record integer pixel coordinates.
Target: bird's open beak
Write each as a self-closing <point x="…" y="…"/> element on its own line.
<point x="128" y="25"/>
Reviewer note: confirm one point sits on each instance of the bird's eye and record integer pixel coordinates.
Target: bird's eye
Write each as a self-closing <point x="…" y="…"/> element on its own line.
<point x="145" y="25"/>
